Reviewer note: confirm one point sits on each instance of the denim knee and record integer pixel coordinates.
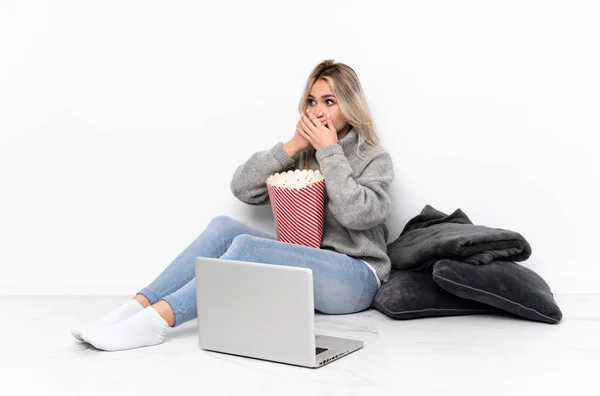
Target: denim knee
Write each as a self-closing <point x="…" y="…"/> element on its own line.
<point x="349" y="303"/>
<point x="220" y="220"/>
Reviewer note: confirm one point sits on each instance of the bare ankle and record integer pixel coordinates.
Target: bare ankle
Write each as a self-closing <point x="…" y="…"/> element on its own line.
<point x="142" y="300"/>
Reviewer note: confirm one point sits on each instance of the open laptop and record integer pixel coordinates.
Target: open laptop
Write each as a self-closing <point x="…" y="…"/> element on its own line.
<point x="262" y="311"/>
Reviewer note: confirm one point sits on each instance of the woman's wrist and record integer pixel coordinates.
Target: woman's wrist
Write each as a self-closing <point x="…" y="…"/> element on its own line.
<point x="290" y="149"/>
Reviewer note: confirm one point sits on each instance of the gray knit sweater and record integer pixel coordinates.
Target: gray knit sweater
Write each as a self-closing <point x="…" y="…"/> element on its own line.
<point x="357" y="203"/>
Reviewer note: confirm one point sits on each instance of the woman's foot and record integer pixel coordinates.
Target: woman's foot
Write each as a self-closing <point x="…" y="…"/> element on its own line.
<point x="145" y="328"/>
<point x="129" y="308"/>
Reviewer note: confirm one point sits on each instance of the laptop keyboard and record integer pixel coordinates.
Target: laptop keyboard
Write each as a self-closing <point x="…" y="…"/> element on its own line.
<point x="319" y="350"/>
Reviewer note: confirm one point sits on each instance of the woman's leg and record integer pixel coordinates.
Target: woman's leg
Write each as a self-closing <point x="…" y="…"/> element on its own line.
<point x="342" y="284"/>
<point x="148" y="326"/>
<point x="213" y="242"/>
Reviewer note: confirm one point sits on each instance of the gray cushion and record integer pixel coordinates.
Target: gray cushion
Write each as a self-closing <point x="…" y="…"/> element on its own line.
<point x="503" y="284"/>
<point x="410" y="295"/>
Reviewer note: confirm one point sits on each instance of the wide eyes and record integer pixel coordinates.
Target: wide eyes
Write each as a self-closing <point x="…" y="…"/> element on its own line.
<point x="328" y="100"/>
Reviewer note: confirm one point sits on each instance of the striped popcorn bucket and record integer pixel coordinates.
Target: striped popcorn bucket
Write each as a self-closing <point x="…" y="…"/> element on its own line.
<point x="298" y="202"/>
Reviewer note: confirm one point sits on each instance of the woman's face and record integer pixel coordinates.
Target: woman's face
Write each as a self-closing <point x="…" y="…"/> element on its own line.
<point x="321" y="99"/>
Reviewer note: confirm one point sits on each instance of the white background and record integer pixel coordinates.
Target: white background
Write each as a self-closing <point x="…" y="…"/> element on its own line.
<point x="121" y="123"/>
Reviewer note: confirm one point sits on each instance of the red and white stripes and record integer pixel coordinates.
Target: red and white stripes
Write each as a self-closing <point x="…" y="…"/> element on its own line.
<point x="299" y="213"/>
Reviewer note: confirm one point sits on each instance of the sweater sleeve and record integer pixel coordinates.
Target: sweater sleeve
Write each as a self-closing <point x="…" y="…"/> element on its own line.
<point x="249" y="182"/>
<point x="356" y="205"/>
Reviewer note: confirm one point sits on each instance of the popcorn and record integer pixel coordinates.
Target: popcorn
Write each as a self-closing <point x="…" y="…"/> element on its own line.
<point x="298" y="203"/>
<point x="295" y="179"/>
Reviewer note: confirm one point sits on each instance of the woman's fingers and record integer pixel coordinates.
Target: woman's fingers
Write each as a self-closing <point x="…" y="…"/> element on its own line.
<point x="303" y="133"/>
<point x="307" y="124"/>
<point x="321" y="117"/>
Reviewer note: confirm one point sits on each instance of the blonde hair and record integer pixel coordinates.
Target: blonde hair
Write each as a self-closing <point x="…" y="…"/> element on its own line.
<point x="346" y="87"/>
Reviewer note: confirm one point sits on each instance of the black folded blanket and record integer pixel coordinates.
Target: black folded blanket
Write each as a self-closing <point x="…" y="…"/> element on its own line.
<point x="433" y="235"/>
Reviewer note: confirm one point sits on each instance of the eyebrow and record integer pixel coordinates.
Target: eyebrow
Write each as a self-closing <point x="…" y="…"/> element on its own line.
<point x="324" y="96"/>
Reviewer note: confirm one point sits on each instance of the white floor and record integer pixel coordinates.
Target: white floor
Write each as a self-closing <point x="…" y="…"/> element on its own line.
<point x="466" y="355"/>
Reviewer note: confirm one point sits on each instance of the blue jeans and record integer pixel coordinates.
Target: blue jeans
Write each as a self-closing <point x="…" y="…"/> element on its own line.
<point x="341" y="284"/>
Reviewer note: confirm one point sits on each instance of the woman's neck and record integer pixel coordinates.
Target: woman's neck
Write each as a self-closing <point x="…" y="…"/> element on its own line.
<point x="342" y="134"/>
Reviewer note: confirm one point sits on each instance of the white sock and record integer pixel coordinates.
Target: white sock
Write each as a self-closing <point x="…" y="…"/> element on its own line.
<point x="145" y="328"/>
<point x="127" y="309"/>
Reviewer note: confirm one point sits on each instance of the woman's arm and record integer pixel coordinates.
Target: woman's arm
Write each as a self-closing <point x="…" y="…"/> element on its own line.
<point x="249" y="182"/>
